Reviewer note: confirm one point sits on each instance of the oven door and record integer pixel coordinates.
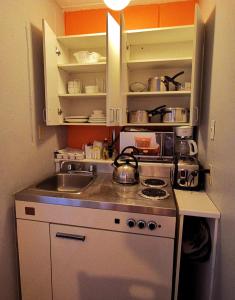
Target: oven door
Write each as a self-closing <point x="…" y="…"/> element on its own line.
<point x="94" y="264"/>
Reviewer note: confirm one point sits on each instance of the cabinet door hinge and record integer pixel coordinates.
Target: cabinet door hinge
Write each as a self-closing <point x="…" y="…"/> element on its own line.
<point x="59" y="111"/>
<point x="57" y="51"/>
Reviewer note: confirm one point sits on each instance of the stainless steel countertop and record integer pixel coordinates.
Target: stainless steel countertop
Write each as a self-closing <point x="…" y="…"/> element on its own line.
<point x="104" y="194"/>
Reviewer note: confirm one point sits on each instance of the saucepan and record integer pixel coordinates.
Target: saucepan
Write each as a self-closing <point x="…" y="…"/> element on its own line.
<point x="144" y="116"/>
<point x="175" y="115"/>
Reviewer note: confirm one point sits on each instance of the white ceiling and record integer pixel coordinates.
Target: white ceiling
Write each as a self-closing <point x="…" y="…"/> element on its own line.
<point x="86" y="4"/>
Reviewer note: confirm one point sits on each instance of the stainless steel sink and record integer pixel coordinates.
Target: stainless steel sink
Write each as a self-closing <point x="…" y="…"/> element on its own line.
<point x="65" y="182"/>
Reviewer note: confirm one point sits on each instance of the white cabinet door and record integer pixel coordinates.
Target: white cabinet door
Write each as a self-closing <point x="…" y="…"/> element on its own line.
<point x="197" y="67"/>
<point x="113" y="105"/>
<point x="91" y="264"/>
<point x="124" y="71"/>
<point x="50" y="51"/>
<point x="34" y="259"/>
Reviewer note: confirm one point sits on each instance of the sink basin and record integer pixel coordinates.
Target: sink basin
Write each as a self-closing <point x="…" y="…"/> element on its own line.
<point x="64" y="182"/>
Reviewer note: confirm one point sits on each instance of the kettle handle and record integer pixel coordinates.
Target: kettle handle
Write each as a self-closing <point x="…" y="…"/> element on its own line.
<point x="130" y="147"/>
<point x="192" y="147"/>
<point x="116" y="163"/>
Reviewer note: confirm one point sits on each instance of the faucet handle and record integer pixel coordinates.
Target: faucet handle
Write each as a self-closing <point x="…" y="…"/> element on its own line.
<point x="92" y="169"/>
<point x="66" y="166"/>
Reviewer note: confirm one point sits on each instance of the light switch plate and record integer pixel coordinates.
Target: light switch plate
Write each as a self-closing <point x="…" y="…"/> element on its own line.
<point x="212" y="130"/>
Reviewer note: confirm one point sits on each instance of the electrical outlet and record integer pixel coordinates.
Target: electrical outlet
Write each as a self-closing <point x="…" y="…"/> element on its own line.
<point x="211" y="174"/>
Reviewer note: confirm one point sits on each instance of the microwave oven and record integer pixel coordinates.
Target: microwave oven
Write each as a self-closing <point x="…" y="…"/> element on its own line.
<point x="151" y="145"/>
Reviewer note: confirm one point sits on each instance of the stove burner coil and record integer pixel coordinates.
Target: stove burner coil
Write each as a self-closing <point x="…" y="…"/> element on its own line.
<point x="154" y="182"/>
<point x="154" y="193"/>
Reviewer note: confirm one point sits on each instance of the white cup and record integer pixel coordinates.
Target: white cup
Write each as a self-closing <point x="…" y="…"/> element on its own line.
<point x="91" y="89"/>
<point x="74" y="87"/>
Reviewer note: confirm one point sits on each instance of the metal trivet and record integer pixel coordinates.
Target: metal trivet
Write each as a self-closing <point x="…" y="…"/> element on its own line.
<point x="154" y="193"/>
<point x="154" y="182"/>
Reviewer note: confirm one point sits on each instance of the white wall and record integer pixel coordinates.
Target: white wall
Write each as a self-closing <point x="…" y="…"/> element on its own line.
<point x="24" y="159"/>
<point x="218" y="104"/>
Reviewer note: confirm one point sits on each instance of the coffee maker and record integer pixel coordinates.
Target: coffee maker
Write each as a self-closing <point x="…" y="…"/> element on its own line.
<point x="185" y="146"/>
<point x="186" y="173"/>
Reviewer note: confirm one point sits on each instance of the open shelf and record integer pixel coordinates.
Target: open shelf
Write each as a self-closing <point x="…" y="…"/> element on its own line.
<point x="83" y="95"/>
<point x="161" y="35"/>
<point x="84" y="124"/>
<point x="167" y="93"/>
<point x="89" y="160"/>
<point x="83" y="68"/>
<point x="159" y="63"/>
<point x="83" y="41"/>
<point x="156" y="124"/>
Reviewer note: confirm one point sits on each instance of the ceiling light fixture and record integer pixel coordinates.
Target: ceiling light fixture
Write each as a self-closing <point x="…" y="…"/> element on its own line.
<point x="116" y="4"/>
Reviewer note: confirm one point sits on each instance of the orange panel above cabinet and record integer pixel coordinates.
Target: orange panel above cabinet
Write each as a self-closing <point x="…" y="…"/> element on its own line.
<point x="136" y="17"/>
<point x="141" y="16"/>
<point x="176" y="13"/>
<point x="86" y="21"/>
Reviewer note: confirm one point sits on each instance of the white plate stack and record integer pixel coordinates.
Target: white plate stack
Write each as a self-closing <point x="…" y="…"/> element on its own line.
<point x="97" y="116"/>
<point x="76" y="119"/>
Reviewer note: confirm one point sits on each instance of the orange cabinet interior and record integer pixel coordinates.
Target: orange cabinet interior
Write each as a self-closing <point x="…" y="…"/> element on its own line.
<point x="78" y="136"/>
<point x="136" y="17"/>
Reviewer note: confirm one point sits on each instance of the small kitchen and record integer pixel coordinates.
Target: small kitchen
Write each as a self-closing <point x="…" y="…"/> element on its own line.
<point x="114" y="189"/>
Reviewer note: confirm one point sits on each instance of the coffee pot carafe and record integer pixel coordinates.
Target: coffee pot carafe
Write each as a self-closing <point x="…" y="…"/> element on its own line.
<point x="185" y="146"/>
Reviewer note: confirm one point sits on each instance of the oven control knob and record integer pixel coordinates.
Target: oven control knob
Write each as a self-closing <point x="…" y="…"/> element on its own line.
<point x="131" y="223"/>
<point x="141" y="224"/>
<point x="152" y="225"/>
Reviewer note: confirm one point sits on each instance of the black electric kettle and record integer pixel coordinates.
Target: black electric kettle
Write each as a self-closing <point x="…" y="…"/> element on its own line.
<point x="125" y="169"/>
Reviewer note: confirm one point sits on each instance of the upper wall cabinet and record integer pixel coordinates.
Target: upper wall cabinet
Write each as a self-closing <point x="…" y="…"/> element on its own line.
<point x="76" y="86"/>
<point x="135" y="70"/>
<point x="149" y="58"/>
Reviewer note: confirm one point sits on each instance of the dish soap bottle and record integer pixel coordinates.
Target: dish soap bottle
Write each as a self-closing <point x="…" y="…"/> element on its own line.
<point x="105" y="153"/>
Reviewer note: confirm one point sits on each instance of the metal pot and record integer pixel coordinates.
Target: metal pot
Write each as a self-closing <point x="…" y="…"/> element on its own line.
<point x="126" y="172"/>
<point x="144" y="116"/>
<point x="175" y="115"/>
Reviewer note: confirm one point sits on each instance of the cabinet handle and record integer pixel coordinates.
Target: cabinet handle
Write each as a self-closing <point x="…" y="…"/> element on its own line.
<point x="117" y="115"/>
<point x="196" y="112"/>
<point x="111" y="115"/>
<point x="71" y="236"/>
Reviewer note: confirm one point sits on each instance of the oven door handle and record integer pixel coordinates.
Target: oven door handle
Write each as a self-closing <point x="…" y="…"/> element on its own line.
<point x="71" y="236"/>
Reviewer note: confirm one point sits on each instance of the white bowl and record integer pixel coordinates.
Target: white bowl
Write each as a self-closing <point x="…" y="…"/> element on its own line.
<point x="91" y="89"/>
<point x="86" y="57"/>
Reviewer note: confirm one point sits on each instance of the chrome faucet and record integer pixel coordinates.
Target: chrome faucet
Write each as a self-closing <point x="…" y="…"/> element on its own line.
<point x="69" y="164"/>
<point x="79" y="167"/>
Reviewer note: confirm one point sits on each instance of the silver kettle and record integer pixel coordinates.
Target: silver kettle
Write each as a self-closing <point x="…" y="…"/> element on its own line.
<point x="125" y="171"/>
